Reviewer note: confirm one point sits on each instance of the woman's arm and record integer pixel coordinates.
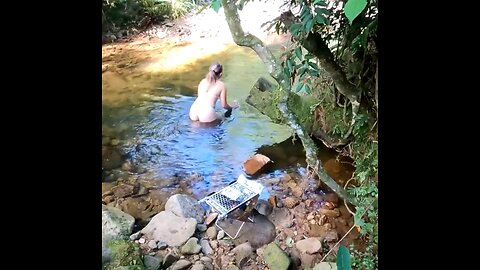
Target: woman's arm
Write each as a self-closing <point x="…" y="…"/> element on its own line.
<point x="223" y="99"/>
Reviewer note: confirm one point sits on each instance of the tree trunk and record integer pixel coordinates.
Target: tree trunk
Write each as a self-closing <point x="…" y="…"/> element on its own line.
<point x="275" y="70"/>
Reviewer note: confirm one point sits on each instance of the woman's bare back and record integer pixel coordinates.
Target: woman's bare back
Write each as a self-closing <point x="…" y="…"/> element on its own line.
<point x="210" y="93"/>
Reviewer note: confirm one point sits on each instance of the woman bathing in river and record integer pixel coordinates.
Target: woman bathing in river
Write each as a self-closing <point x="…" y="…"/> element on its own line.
<point x="210" y="90"/>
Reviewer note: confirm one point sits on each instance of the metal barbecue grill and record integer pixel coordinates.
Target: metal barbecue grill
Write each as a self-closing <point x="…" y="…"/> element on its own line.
<point x="232" y="197"/>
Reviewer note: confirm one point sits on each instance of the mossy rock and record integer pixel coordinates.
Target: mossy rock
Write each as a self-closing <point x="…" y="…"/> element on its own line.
<point x="125" y="255"/>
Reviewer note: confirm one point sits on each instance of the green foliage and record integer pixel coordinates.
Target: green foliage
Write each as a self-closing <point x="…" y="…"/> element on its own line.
<point x="126" y="14"/>
<point x="179" y="8"/>
<point x="353" y="8"/>
<point x="125" y="253"/>
<point x="343" y="259"/>
<point x="216" y="5"/>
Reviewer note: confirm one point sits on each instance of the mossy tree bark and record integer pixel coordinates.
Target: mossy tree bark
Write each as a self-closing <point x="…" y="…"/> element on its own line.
<point x="274" y="68"/>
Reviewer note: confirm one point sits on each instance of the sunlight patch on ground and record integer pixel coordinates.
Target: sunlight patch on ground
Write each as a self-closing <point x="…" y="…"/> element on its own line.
<point x="181" y="57"/>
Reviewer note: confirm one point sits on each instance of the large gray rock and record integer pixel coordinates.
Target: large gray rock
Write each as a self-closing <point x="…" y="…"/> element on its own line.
<point x="170" y="228"/>
<point x="185" y="206"/>
<point x="115" y="225"/>
<point x="258" y="233"/>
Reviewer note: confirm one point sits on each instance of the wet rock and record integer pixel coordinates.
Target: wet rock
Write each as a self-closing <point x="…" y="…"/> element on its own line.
<point x="210" y="218"/>
<point x="242" y="254"/>
<point x="212" y="232"/>
<point x="206" y="249"/>
<point x="191" y="247"/>
<point x="107" y="189"/>
<point x="115" y="225"/>
<point x="140" y="208"/>
<point x="310" y="245"/>
<point x="170" y="228"/>
<point x="152" y="262"/>
<point x="185" y="206"/>
<point x="111" y="158"/>
<point x="114" y="142"/>
<point x="123" y="190"/>
<point x="169" y="259"/>
<point x="142" y="191"/>
<point x="181" y="264"/>
<point x="255" y="164"/>
<point x="108" y="199"/>
<point x="275" y="257"/>
<point x="290" y="202"/>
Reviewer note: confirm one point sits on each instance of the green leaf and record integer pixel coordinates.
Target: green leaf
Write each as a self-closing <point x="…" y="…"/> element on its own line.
<point x="294" y="28"/>
<point x="307" y="89"/>
<point x="216" y="5"/>
<point x="358" y="221"/>
<point x="320" y="2"/>
<point x="353" y="8"/>
<point x="308" y="56"/>
<point x="322" y="20"/>
<point x="343" y="259"/>
<point x="299" y="87"/>
<point x="302" y="70"/>
<point x="298" y="53"/>
<point x="322" y="11"/>
<point x="289" y="64"/>
<point x="309" y="24"/>
<point x="312" y="72"/>
<point x="313" y="65"/>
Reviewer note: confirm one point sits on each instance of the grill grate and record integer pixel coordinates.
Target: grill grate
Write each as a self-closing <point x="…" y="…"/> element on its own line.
<point x="231" y="197"/>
